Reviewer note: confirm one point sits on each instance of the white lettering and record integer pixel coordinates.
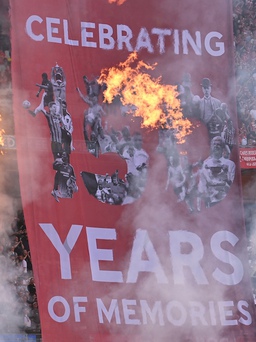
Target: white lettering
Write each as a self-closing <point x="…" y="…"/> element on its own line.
<point x="186" y="252"/>
<point x="192" y="259"/>
<point x="161" y="37"/>
<point x="66" y="38"/>
<point x="197" y="311"/>
<point x="196" y="45"/>
<point x="142" y="244"/>
<point x="63" y="249"/>
<point x="143" y="41"/>
<point x="241" y="304"/>
<point x="176" y="42"/>
<point x="29" y="31"/>
<point x="129" y="312"/>
<point x="97" y="255"/>
<point x="124" y="38"/>
<point x="105" y="34"/>
<point x="226" y="257"/>
<point x="54" y="316"/>
<point x="113" y="309"/>
<point x="212" y="313"/>
<point x="124" y="34"/>
<point x="85" y="34"/>
<point x="155" y="313"/>
<point x="77" y="308"/>
<point x="226" y="313"/>
<point x="219" y="45"/>
<point x="52" y="30"/>
<point x="176" y="313"/>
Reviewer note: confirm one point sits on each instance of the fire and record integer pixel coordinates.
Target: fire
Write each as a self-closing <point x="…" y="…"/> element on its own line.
<point x="157" y="104"/>
<point x="119" y="2"/>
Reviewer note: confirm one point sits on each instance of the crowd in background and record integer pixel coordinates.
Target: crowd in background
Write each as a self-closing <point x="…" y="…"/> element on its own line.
<point x="5" y="69"/>
<point x="16" y="264"/>
<point x="244" y="23"/>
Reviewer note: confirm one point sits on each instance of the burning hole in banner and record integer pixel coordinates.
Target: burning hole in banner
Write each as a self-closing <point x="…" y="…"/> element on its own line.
<point x="118" y="2"/>
<point x="140" y="96"/>
<point x="143" y="96"/>
<point x="169" y="110"/>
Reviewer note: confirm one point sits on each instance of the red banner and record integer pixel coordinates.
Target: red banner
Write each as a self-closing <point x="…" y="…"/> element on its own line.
<point x="247" y="158"/>
<point x="129" y="171"/>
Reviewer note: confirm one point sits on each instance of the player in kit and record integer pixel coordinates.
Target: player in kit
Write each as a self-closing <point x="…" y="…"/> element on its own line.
<point x="64" y="180"/>
<point x="53" y="117"/>
<point x="48" y="89"/>
<point x="67" y="129"/>
<point x="54" y="122"/>
<point x="47" y="97"/>
<point x="92" y="117"/>
<point x="58" y="80"/>
<point x="217" y="174"/>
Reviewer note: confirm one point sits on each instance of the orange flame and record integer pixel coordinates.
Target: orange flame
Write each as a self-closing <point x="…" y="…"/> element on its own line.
<point x="119" y="2"/>
<point x="155" y="103"/>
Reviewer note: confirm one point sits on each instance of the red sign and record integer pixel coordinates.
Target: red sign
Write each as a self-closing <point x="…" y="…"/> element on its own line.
<point x="129" y="172"/>
<point x="247" y="158"/>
